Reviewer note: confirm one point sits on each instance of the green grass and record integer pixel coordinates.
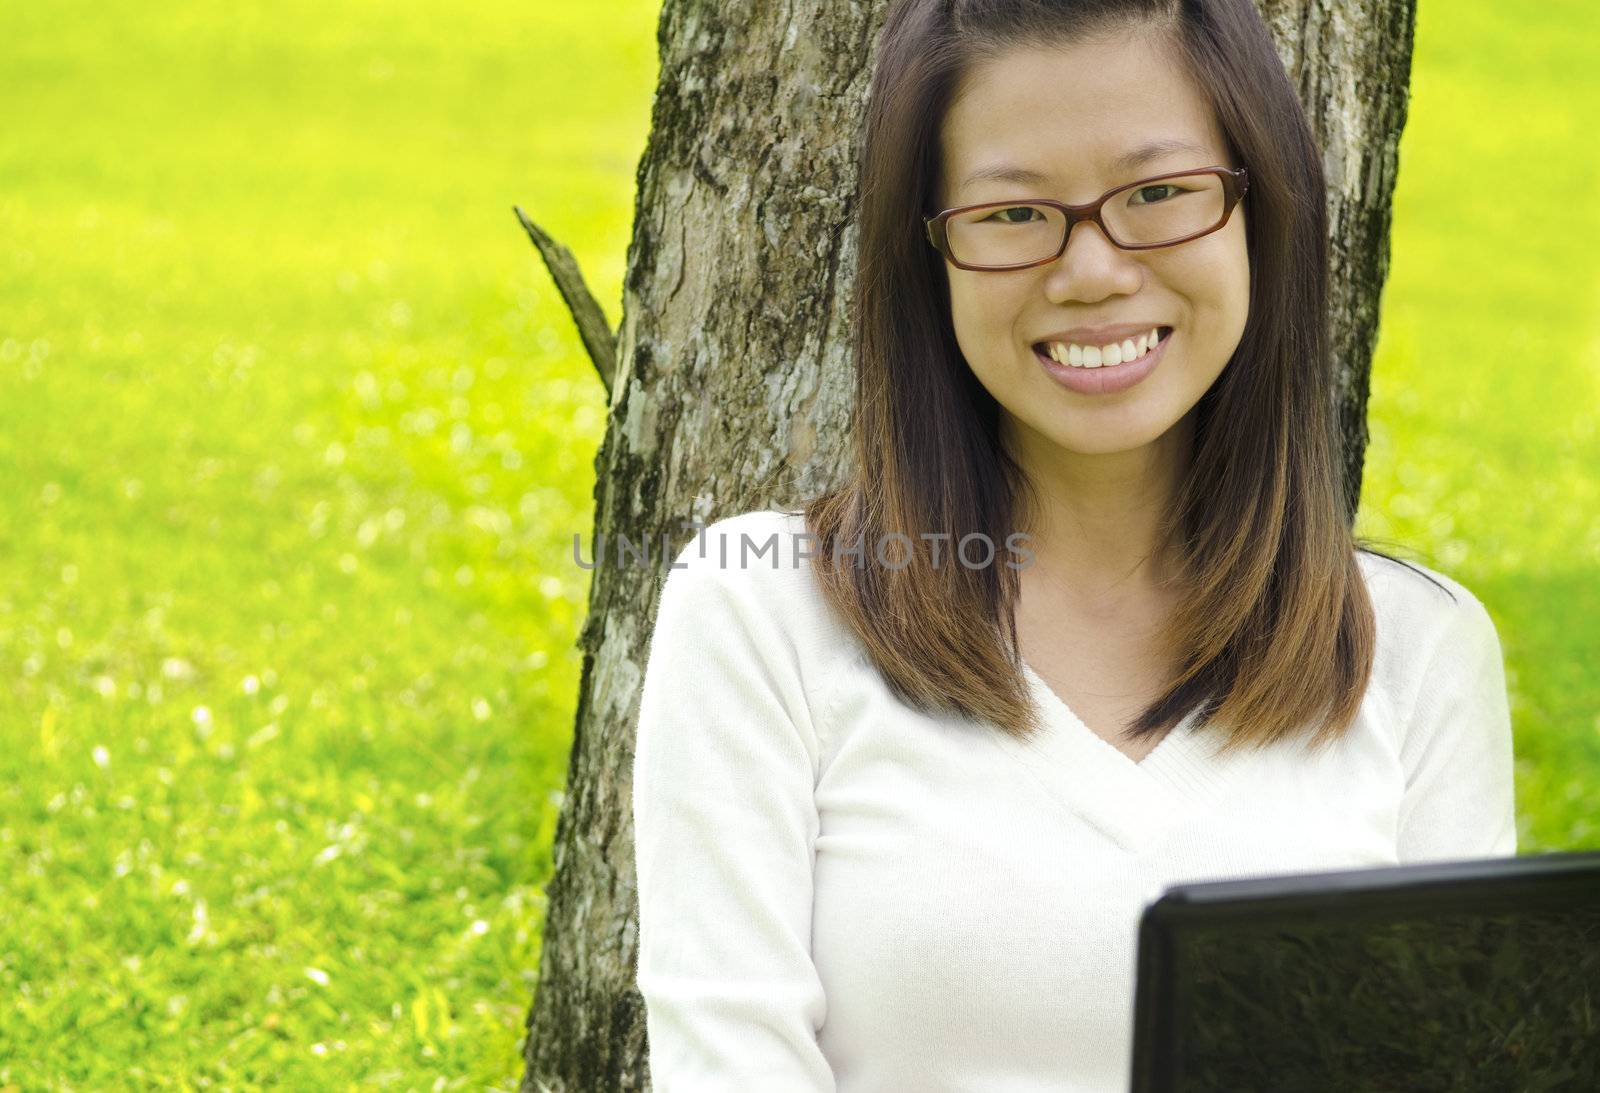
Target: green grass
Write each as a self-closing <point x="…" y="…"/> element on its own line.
<point x="295" y="433"/>
<point x="294" y="439"/>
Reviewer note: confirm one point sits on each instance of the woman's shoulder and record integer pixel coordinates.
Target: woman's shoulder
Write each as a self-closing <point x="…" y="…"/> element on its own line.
<point x="759" y="562"/>
<point x="1408" y="589"/>
<point x="762" y="551"/>
<point x="1421" y="614"/>
<point x="761" y="539"/>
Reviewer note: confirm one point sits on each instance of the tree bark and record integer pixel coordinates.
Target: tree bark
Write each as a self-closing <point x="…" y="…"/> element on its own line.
<point x="732" y="386"/>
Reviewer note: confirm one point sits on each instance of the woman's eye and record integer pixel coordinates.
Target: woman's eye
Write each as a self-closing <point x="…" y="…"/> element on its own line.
<point x="1147" y="189"/>
<point x="1001" y="214"/>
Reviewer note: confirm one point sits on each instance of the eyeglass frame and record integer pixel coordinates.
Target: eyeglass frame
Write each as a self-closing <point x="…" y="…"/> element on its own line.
<point x="1235" y="181"/>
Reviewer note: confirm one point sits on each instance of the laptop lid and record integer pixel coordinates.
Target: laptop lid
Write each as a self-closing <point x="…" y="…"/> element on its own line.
<point x="1452" y="976"/>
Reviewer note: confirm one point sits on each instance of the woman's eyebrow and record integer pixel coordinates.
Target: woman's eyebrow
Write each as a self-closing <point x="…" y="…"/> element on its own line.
<point x="1128" y="161"/>
<point x="1004" y="172"/>
<point x="1155" y="148"/>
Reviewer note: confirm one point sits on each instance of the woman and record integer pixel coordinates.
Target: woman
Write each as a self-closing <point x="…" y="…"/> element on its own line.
<point x="896" y="821"/>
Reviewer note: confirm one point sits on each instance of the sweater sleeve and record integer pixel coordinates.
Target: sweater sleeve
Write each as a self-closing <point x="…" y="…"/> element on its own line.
<point x="1459" y="797"/>
<point x="725" y="823"/>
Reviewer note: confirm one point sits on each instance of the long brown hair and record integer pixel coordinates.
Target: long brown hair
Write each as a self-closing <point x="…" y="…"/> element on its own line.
<point x="1274" y="628"/>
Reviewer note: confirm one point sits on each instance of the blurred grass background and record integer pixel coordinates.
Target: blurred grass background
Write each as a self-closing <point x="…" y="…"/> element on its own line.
<point x="295" y="434"/>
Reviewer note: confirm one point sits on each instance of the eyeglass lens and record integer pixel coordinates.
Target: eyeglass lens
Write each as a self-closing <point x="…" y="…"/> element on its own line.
<point x="1159" y="211"/>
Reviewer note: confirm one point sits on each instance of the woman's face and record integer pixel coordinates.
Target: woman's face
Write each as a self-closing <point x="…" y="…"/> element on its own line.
<point x="1067" y="113"/>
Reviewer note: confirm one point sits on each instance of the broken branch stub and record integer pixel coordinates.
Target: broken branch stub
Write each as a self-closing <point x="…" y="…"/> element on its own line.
<point x="598" y="339"/>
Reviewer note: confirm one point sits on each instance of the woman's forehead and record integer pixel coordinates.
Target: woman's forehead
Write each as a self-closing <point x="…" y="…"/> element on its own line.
<point x="1081" y="87"/>
<point x="1105" y="108"/>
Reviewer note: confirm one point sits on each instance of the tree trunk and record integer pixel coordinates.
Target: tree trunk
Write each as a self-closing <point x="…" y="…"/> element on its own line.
<point x="731" y="388"/>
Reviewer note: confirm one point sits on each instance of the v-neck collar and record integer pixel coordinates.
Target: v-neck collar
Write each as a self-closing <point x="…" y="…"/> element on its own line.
<point x="1134" y="803"/>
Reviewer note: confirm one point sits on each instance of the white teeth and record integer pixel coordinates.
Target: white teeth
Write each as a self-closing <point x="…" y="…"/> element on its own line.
<point x="1090" y="356"/>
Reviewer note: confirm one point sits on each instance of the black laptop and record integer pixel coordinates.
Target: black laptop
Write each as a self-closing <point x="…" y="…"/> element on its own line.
<point x="1478" y="976"/>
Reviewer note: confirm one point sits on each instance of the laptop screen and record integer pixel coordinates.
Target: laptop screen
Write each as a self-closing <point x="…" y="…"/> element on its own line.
<point x="1454" y="977"/>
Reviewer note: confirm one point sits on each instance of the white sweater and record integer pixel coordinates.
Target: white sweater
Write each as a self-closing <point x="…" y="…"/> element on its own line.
<point x="838" y="893"/>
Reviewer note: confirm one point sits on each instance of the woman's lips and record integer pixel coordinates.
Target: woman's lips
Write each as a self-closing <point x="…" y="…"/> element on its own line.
<point x="1108" y="378"/>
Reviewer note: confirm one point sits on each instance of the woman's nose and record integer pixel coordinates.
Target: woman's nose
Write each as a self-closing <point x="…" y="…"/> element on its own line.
<point x="1092" y="261"/>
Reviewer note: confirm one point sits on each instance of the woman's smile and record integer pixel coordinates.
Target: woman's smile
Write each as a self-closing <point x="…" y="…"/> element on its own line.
<point x="1107" y="378"/>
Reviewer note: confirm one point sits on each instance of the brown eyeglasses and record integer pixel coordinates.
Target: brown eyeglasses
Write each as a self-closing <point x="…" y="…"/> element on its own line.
<point x="1201" y="201"/>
